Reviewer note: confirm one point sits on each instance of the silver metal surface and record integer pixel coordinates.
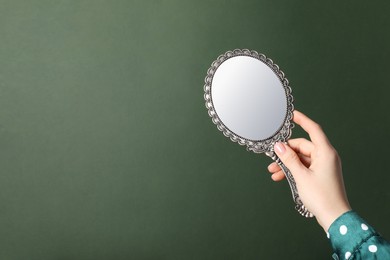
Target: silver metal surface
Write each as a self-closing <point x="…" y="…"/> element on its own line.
<point x="280" y="134"/>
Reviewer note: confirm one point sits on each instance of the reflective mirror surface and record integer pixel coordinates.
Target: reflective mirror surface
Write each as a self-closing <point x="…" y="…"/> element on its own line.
<point x="249" y="98"/>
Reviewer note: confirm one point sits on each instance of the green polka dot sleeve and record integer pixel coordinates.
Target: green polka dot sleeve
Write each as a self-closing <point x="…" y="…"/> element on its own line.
<point x="352" y="238"/>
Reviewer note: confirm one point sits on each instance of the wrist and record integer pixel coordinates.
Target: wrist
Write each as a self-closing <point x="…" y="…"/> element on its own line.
<point x="327" y="218"/>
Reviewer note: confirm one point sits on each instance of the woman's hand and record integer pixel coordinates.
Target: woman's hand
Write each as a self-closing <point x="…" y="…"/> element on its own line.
<point x="316" y="168"/>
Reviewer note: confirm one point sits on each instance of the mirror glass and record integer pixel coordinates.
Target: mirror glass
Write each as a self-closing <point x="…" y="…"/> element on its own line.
<point x="249" y="98"/>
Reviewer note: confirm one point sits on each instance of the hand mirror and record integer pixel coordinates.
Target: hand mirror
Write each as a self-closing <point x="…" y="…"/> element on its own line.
<point x="249" y="99"/>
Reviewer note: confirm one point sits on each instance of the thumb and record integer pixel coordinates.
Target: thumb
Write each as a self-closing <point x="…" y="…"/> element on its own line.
<point x="289" y="158"/>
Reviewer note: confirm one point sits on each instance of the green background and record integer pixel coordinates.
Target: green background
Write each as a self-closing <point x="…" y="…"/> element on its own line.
<point x="106" y="148"/>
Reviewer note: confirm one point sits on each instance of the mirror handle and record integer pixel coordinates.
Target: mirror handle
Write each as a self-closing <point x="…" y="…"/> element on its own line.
<point x="299" y="205"/>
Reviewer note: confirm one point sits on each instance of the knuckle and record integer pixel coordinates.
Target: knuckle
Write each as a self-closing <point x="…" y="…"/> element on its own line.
<point x="317" y="127"/>
<point x="333" y="154"/>
<point x="291" y="157"/>
<point x="337" y="157"/>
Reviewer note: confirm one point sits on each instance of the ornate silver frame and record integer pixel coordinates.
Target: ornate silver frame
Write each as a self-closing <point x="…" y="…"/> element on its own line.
<point x="258" y="146"/>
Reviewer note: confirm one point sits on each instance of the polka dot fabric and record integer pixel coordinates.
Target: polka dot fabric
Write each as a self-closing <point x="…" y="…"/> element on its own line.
<point x="352" y="238"/>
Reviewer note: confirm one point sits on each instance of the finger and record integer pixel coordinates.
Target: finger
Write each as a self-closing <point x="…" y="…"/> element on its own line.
<point x="306" y="160"/>
<point x="314" y="130"/>
<point x="273" y="167"/>
<point x="278" y="176"/>
<point x="302" y="146"/>
<point x="276" y="172"/>
<point x="290" y="159"/>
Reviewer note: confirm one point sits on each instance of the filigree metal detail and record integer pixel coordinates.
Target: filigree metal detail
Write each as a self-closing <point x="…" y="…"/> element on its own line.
<point x="258" y="146"/>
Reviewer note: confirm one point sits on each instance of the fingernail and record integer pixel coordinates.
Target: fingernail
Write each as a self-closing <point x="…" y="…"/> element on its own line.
<point x="279" y="148"/>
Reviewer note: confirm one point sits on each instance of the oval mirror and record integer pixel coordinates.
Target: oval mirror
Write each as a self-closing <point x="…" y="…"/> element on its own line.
<point x="249" y="99"/>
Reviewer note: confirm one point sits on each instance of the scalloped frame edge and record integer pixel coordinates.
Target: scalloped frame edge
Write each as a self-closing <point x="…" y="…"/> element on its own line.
<point x="256" y="146"/>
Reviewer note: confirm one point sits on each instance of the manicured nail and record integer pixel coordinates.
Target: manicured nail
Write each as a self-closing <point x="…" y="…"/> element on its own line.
<point x="279" y="148"/>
